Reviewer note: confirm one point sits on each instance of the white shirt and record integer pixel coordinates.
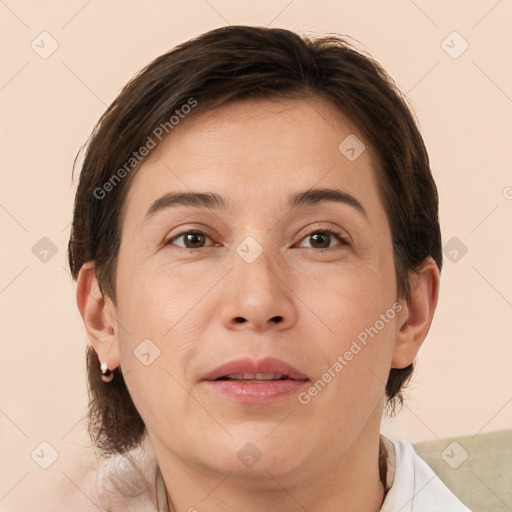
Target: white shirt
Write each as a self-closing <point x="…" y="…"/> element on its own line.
<point x="415" y="487"/>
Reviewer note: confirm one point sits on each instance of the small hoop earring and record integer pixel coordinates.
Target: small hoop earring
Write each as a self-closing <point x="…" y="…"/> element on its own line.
<point x="106" y="374"/>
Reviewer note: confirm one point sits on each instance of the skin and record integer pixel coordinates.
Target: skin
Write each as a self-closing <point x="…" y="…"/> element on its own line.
<point x="320" y="456"/>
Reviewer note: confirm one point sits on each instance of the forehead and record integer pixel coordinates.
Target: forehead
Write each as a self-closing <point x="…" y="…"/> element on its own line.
<point x="256" y="152"/>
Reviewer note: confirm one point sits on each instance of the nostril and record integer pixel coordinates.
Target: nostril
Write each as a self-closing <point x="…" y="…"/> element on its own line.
<point x="240" y="319"/>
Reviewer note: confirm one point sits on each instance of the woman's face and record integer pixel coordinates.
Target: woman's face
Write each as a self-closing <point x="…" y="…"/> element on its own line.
<point x="255" y="279"/>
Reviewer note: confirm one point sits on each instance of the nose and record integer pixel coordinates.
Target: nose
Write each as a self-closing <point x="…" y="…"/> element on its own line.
<point x="258" y="295"/>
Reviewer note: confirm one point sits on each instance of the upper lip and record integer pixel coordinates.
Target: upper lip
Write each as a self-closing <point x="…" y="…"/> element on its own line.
<point x="249" y="365"/>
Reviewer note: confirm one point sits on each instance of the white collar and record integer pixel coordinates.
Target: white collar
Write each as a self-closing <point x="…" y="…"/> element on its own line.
<point x="415" y="487"/>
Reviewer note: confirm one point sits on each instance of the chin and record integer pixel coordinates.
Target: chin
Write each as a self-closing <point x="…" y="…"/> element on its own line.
<point x="256" y="455"/>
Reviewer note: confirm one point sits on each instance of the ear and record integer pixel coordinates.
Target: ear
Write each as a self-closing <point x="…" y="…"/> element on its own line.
<point x="99" y="316"/>
<point x="417" y="314"/>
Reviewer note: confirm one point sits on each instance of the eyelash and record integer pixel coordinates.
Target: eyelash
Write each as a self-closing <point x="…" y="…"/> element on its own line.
<point x="339" y="236"/>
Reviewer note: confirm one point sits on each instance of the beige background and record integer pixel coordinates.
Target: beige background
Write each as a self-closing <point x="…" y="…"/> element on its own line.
<point x="49" y="105"/>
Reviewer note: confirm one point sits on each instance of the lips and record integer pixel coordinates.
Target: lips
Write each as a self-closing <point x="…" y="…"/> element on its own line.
<point x="255" y="382"/>
<point x="247" y="369"/>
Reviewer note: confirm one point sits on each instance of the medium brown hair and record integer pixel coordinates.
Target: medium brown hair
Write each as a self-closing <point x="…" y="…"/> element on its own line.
<point x="221" y="66"/>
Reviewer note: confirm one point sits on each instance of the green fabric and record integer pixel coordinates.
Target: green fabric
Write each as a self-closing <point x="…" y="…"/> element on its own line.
<point x="477" y="469"/>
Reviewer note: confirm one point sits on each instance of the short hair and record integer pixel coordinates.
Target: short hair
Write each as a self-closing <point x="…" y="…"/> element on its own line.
<point x="218" y="67"/>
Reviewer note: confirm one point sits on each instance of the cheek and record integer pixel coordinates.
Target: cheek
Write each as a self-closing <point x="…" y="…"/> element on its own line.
<point x="155" y="300"/>
<point x="160" y="320"/>
<point x="360" y="314"/>
<point x="351" y="300"/>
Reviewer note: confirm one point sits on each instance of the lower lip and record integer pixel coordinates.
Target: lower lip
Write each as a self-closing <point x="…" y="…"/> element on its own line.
<point x="256" y="392"/>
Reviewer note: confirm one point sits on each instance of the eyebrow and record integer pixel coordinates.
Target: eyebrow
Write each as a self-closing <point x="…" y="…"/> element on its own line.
<point x="215" y="201"/>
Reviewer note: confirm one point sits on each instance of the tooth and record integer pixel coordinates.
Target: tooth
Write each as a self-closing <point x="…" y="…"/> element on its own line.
<point x="267" y="376"/>
<point x="255" y="376"/>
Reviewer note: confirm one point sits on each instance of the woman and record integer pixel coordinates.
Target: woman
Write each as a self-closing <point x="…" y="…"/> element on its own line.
<point x="257" y="251"/>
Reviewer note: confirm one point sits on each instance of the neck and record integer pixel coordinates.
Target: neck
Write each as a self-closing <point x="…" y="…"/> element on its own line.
<point x="354" y="481"/>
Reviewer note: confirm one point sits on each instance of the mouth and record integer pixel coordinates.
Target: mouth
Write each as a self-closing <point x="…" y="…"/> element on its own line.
<point x="247" y="368"/>
<point x="255" y="377"/>
<point x="255" y="382"/>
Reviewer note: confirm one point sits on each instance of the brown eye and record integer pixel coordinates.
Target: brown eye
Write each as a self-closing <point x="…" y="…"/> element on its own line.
<point x="191" y="240"/>
<point x="321" y="239"/>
